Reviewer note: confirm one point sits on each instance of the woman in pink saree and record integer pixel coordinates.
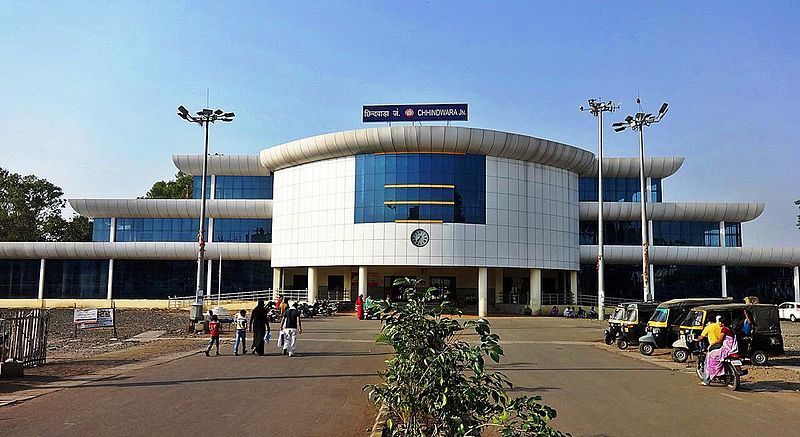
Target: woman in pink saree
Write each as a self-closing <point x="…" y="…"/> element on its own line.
<point x="715" y="358"/>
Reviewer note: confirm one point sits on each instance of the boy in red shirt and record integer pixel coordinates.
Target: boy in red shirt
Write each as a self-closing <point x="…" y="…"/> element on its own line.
<point x="213" y="326"/>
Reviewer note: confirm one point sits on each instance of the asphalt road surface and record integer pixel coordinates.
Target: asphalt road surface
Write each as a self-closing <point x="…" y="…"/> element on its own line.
<point x="596" y="391"/>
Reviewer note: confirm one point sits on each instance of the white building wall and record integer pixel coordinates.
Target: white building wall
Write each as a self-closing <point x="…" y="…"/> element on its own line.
<point x="531" y="221"/>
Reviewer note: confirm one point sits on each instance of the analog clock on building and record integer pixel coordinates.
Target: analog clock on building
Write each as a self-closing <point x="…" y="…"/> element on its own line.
<point x="420" y="237"/>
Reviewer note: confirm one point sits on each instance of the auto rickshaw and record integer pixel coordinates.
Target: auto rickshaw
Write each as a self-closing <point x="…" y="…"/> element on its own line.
<point x="764" y="339"/>
<point x="633" y="327"/>
<point x="614" y="323"/>
<point x="663" y="327"/>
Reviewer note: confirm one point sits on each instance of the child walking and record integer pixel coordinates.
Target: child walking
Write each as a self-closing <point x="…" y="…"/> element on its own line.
<point x="213" y="327"/>
<point x="241" y="333"/>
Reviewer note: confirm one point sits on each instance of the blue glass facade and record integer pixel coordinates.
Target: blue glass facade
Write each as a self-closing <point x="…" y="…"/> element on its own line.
<point x="146" y="279"/>
<point x="19" y="278"/>
<point x="76" y="279"/>
<point x="677" y="282"/>
<point x="621" y="281"/>
<point x="449" y="188"/>
<point x="156" y="229"/>
<point x="617" y="189"/>
<point x="733" y="234"/>
<point x="770" y="284"/>
<point x="235" y="187"/>
<point x="667" y="233"/>
<point x="243" y="230"/>
<point x="241" y="276"/>
<point x="101" y="229"/>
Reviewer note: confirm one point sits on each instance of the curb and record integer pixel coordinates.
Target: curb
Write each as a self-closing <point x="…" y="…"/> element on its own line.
<point x="380" y="422"/>
<point x="72" y="381"/>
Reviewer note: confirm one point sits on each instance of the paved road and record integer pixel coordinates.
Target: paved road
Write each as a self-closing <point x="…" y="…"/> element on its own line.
<point x="318" y="392"/>
<point x="596" y="391"/>
<point x="600" y="392"/>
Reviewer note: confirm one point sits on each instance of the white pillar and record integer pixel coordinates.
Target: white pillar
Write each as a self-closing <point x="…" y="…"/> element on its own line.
<point x="210" y="230"/>
<point x="348" y="284"/>
<point x="573" y="286"/>
<point x="796" y="284"/>
<point x="41" y="279"/>
<point x="276" y="282"/>
<point x="483" y="291"/>
<point x="112" y="233"/>
<point x="213" y="190"/>
<point x="362" y="281"/>
<point x="208" y="280"/>
<point x="721" y="234"/>
<point x="498" y="286"/>
<point x="312" y="284"/>
<point x="724" y="276"/>
<point x="536" y="291"/>
<point x="110" y="289"/>
<point x="653" y="281"/>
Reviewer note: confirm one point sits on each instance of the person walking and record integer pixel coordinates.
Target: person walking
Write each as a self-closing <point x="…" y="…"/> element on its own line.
<point x="241" y="333"/>
<point x="213" y="327"/>
<point x="259" y="326"/>
<point x="360" y="307"/>
<point x="291" y="328"/>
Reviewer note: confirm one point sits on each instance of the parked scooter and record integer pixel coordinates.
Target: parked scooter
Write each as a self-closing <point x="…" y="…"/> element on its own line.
<point x="732" y="370"/>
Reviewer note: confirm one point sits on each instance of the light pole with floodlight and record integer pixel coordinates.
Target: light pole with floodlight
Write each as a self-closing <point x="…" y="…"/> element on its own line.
<point x="639" y="122"/>
<point x="203" y="118"/>
<point x="597" y="109"/>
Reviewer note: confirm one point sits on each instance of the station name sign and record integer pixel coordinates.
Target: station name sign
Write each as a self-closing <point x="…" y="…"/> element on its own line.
<point x="427" y="112"/>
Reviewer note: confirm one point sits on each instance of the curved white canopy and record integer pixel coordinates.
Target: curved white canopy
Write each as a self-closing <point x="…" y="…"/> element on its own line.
<point x="171" y="208"/>
<point x="655" y="167"/>
<point x="225" y="165"/>
<point x="678" y="211"/>
<point x="684" y="255"/>
<point x="155" y="250"/>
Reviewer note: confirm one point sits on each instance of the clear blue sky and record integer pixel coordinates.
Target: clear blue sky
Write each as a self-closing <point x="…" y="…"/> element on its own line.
<point x="89" y="89"/>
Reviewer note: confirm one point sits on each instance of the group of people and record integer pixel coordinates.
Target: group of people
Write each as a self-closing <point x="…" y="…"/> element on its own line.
<point x="571" y="312"/>
<point x="290" y="328"/>
<point x="721" y="344"/>
<point x="363" y="306"/>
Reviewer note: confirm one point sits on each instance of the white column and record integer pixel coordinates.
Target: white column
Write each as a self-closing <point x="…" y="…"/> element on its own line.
<point x="652" y="280"/>
<point x="210" y="230"/>
<point x="112" y="233"/>
<point x="213" y="190"/>
<point x="573" y="286"/>
<point x="276" y="282"/>
<point x="796" y="284"/>
<point x="483" y="291"/>
<point x="348" y="284"/>
<point x="41" y="279"/>
<point x="536" y="291"/>
<point x="721" y="234"/>
<point x="498" y="286"/>
<point x="312" y="284"/>
<point x="724" y="275"/>
<point x="362" y="281"/>
<point x="208" y="280"/>
<point x="110" y="289"/>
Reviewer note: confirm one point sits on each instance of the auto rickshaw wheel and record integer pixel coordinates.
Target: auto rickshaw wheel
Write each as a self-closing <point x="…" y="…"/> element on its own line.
<point x="759" y="358"/>
<point x="680" y="355"/>
<point x="622" y="344"/>
<point x="609" y="340"/>
<point x="646" y="348"/>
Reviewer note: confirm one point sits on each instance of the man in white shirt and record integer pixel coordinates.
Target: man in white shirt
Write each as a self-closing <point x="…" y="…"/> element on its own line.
<point x="241" y="333"/>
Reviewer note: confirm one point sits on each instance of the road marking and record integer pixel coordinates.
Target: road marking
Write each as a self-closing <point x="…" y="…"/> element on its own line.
<point x="732" y="396"/>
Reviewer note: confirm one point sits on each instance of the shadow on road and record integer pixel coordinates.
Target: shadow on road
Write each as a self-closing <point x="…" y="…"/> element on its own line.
<point x="772" y="386"/>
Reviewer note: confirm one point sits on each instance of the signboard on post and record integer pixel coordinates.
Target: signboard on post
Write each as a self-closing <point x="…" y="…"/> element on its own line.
<point x="87" y="318"/>
<point x="426" y="112"/>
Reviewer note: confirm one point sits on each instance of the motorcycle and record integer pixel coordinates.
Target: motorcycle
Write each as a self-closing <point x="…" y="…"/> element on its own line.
<point x="731" y="374"/>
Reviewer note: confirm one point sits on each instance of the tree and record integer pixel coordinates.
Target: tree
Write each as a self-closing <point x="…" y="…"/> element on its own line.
<point x="437" y="383"/>
<point x="179" y="188"/>
<point x="30" y="210"/>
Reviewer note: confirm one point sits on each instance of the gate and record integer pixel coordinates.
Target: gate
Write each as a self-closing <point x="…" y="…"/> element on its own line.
<point x="23" y="337"/>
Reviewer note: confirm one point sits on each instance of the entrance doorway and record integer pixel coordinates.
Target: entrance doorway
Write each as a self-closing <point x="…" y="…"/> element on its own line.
<point x="336" y="287"/>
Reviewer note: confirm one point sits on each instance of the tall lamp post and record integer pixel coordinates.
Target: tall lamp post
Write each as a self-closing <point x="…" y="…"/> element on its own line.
<point x="203" y="118"/>
<point x="639" y="122"/>
<point x="597" y="109"/>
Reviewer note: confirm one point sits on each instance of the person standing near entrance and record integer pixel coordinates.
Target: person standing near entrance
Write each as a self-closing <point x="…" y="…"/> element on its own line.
<point x="213" y="327"/>
<point x="259" y="326"/>
<point x="241" y="333"/>
<point x="291" y="328"/>
<point x="360" y="307"/>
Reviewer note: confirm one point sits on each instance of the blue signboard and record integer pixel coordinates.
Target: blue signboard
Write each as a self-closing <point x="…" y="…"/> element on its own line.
<point x="428" y="112"/>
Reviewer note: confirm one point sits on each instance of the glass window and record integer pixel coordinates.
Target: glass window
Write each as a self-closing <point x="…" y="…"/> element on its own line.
<point x="616" y="189"/>
<point x="149" y="279"/>
<point x="770" y="284"/>
<point x="152" y="229"/>
<point x="674" y="282"/>
<point x="243" y="230"/>
<point x="733" y="234"/>
<point x="410" y="186"/>
<point x="621" y="281"/>
<point x="101" y="229"/>
<point x="76" y="279"/>
<point x="19" y="278"/>
<point x="238" y="276"/>
<point x="243" y="187"/>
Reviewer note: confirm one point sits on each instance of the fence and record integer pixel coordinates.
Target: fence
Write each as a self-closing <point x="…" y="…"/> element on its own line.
<point x="23" y="337"/>
<point x="182" y="302"/>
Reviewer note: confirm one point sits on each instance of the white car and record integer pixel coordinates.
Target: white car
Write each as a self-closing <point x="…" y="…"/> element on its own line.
<point x="789" y="310"/>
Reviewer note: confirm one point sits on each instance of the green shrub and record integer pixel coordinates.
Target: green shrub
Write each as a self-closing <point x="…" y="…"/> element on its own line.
<point x="437" y="384"/>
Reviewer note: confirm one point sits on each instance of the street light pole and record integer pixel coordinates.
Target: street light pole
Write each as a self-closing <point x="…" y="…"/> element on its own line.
<point x="597" y="109"/>
<point x="639" y="122"/>
<point x="203" y="118"/>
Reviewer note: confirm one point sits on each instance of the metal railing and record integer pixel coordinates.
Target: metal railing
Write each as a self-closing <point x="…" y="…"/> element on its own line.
<point x="183" y="302"/>
<point x="23" y="337"/>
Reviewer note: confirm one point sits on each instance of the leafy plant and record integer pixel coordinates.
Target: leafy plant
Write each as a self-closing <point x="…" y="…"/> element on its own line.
<point x="437" y="383"/>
